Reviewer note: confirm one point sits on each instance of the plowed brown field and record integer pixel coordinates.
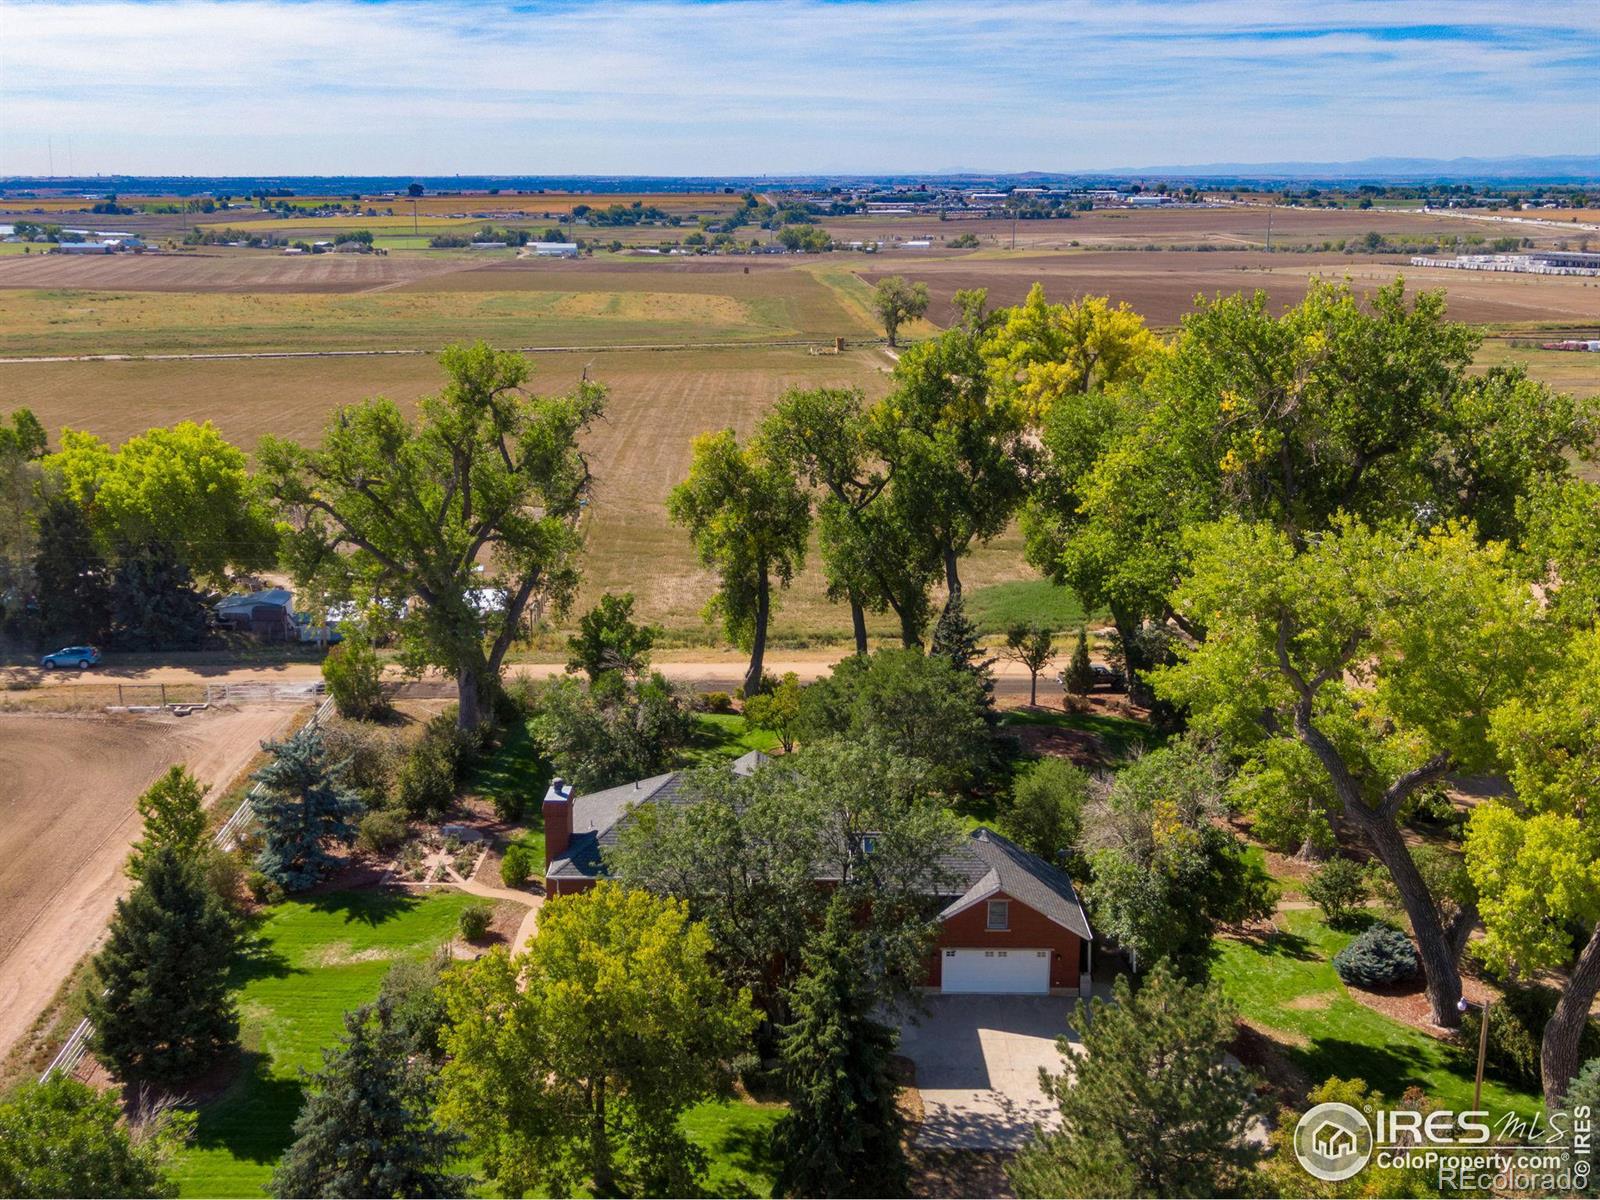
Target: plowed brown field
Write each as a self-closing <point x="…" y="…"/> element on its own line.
<point x="67" y="819"/>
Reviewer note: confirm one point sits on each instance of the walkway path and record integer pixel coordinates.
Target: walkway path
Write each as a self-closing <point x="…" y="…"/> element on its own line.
<point x="450" y="877"/>
<point x="530" y="922"/>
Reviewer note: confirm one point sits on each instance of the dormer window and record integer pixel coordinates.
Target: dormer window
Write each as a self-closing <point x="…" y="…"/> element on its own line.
<point x="999" y="914"/>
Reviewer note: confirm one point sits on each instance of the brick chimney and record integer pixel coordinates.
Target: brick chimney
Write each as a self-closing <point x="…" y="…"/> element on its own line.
<point x="557" y="820"/>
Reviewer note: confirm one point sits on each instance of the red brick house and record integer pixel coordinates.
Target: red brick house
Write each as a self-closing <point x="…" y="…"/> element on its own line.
<point x="1011" y="925"/>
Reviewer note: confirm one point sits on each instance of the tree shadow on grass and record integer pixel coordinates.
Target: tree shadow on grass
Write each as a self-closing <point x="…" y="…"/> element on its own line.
<point x="1390" y="1071"/>
<point x="746" y="1154"/>
<point x="1273" y="943"/>
<point x="258" y="958"/>
<point x="370" y="907"/>
<point x="253" y="1121"/>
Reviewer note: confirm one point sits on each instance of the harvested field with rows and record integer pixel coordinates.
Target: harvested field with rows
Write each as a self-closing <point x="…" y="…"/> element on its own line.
<point x="658" y="402"/>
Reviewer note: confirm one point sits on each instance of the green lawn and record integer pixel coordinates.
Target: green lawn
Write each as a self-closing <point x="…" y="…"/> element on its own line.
<point x="309" y="962"/>
<point x="516" y="769"/>
<point x="1122" y="737"/>
<point x="721" y="737"/>
<point x="1287" y="983"/>
<point x="737" y="1138"/>
<point x="995" y="608"/>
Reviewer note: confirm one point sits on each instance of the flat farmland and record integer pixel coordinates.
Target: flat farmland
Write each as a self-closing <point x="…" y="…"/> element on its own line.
<point x="218" y="271"/>
<point x="1162" y="285"/>
<point x="1231" y="226"/>
<point x="658" y="402"/>
<point x="67" y="819"/>
<point x="526" y="203"/>
<point x="528" y="304"/>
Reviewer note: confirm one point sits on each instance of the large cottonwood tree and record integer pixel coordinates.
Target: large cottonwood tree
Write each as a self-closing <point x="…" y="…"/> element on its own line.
<point x="748" y="519"/>
<point x="1382" y="652"/>
<point x="870" y="558"/>
<point x="1534" y="855"/>
<point x="471" y="509"/>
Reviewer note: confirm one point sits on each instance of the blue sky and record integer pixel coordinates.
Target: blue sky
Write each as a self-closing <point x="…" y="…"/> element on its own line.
<point x="779" y="86"/>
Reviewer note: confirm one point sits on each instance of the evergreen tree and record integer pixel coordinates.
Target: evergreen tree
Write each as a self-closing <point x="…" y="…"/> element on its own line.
<point x="154" y="602"/>
<point x="1160" y="1113"/>
<point x="841" y="1135"/>
<point x="955" y="637"/>
<point x="1080" y="672"/>
<point x="71" y="580"/>
<point x="165" y="1012"/>
<point x="173" y="818"/>
<point x="307" y="806"/>
<point x="366" y="1128"/>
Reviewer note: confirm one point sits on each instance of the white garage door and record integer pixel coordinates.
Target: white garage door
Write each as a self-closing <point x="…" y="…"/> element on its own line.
<point x="1005" y="972"/>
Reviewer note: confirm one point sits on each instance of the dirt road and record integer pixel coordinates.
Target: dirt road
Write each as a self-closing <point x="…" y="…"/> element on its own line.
<point x="67" y="818"/>
<point x="703" y="671"/>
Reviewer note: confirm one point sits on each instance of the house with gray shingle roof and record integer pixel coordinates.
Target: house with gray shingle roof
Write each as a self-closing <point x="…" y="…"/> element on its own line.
<point x="1011" y="923"/>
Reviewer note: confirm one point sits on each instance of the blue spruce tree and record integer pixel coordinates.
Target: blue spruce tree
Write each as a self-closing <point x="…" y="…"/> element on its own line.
<point x="306" y="807"/>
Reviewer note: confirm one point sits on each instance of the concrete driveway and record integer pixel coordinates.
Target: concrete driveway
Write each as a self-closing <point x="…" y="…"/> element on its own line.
<point x="978" y="1060"/>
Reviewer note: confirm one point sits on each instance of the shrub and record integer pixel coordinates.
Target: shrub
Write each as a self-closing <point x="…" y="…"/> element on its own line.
<point x="224" y="874"/>
<point x="381" y="830"/>
<point x="263" y="888"/>
<point x="475" y="921"/>
<point x="522" y="694"/>
<point x="716" y="702"/>
<point x="516" y="866"/>
<point x="1338" y="888"/>
<point x="1516" y="1026"/>
<point x="371" y="756"/>
<point x="1381" y="955"/>
<point x="427" y="782"/>
<point x="354" y="676"/>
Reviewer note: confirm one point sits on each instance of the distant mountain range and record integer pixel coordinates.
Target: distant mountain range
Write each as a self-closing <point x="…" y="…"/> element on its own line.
<point x="1521" y="170"/>
<point x="1557" y="168"/>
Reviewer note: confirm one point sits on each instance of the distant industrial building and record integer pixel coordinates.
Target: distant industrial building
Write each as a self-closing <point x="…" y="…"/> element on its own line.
<point x="84" y="248"/>
<point x="554" y="249"/>
<point x="1534" y="262"/>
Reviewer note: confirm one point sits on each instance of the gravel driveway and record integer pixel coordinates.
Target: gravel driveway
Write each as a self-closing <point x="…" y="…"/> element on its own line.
<point x="978" y="1060"/>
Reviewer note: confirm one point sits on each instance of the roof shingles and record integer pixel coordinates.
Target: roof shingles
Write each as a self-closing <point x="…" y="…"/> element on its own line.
<point x="983" y="863"/>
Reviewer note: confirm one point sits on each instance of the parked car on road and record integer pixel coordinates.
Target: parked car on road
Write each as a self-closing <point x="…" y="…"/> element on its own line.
<point x="82" y="657"/>
<point x="1106" y="677"/>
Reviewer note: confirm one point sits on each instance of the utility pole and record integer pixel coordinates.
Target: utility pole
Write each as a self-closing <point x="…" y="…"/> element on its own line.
<point x="1269" y="226"/>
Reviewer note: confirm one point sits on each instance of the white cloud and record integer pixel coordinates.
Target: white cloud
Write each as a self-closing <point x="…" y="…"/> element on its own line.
<point x="749" y="86"/>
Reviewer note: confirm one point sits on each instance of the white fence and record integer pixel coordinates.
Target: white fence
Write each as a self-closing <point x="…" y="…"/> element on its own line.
<point x="77" y="1045"/>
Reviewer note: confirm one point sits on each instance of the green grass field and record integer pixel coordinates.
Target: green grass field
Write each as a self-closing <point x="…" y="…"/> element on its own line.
<point x="313" y="960"/>
<point x="996" y="608"/>
<point x="1287" y="984"/>
<point x="722" y="737"/>
<point x="309" y="963"/>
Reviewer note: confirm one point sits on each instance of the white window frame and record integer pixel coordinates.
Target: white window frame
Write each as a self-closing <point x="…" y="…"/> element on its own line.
<point x="1003" y="907"/>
